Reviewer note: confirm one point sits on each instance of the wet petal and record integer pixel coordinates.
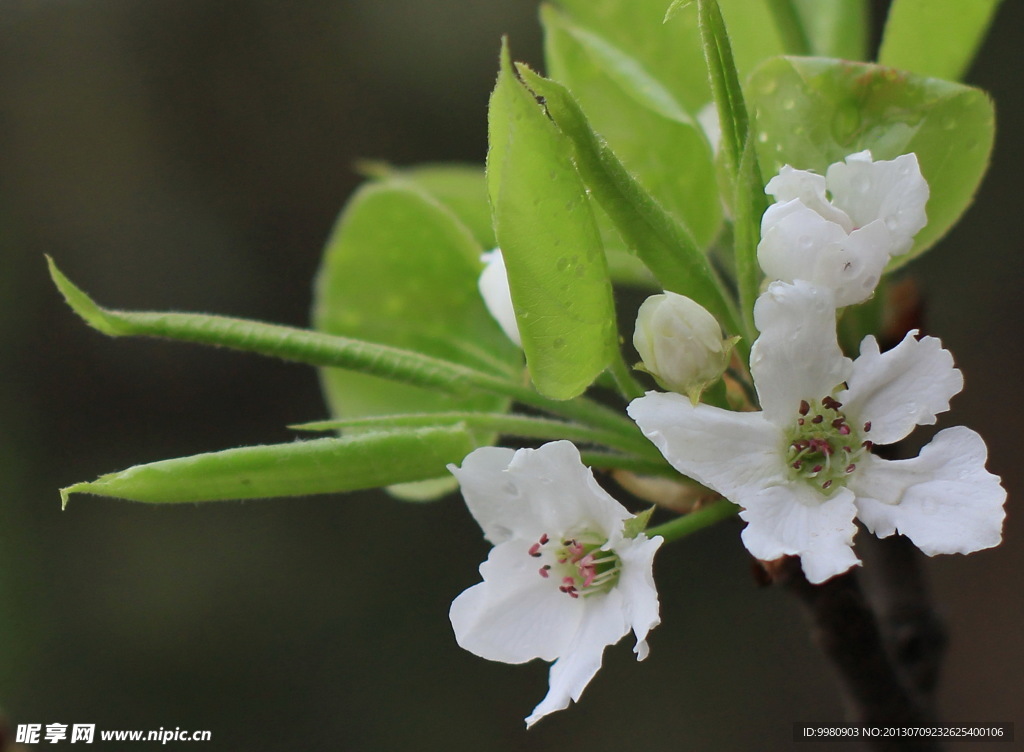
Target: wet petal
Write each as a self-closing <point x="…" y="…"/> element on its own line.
<point x="901" y="388"/>
<point x="636" y="583"/>
<point x="944" y="499"/>
<point x="809" y="189"/>
<point x="892" y="191"/>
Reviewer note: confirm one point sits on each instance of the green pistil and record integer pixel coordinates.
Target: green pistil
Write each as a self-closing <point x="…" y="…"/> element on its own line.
<point x="823" y="448"/>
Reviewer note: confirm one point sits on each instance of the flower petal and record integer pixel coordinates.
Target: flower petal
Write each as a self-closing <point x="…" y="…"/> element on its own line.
<point x="795" y="520"/>
<point x="797" y="356"/>
<point x="515" y="615"/>
<point x="944" y="499"/>
<point x="636" y="583"/>
<point x="736" y="454"/>
<point x="901" y="388"/>
<point x="493" y="285"/>
<point x="528" y="492"/>
<point x="809" y="189"/>
<point x="800" y="244"/>
<point x="892" y="191"/>
<point x="603" y="624"/>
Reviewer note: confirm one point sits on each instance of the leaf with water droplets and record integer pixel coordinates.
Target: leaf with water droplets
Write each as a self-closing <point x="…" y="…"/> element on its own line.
<point x="557" y="272"/>
<point x="811" y="112"/>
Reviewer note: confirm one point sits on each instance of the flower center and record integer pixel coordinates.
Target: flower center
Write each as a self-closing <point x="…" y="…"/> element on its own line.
<point x="577" y="564"/>
<point x="823" y="447"/>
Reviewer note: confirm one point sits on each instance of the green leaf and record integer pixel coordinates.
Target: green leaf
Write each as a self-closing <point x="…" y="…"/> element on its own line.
<point x="460" y="188"/>
<point x="328" y="350"/>
<point x="401" y="270"/>
<point x="811" y="112"/>
<point x="299" y="468"/>
<point x="936" y="38"/>
<point x="836" y="28"/>
<point x="653" y="135"/>
<point x="557" y="271"/>
<point x="748" y="204"/>
<point x="659" y="239"/>
<point x="670" y="48"/>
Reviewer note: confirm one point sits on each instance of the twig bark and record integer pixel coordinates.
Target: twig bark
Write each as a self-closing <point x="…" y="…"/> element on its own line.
<point x="875" y="687"/>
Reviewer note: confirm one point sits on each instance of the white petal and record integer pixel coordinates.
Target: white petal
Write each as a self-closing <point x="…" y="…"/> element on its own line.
<point x="528" y="492"/>
<point x="797" y="356"/>
<point x="515" y="615"/>
<point x="735" y="453"/>
<point x="944" y="499"/>
<point x="801" y="244"/>
<point x="603" y="624"/>
<point x="795" y="520"/>
<point x="636" y="584"/>
<point x="892" y="191"/>
<point x="901" y="388"/>
<point x="809" y="189"/>
<point x="493" y="285"/>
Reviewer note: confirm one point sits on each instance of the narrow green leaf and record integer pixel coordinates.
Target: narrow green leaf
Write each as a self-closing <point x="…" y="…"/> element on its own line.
<point x="662" y="243"/>
<point x="790" y="25"/>
<point x="811" y="112"/>
<point x="643" y="123"/>
<point x="523" y="426"/>
<point x="557" y="271"/>
<point x="318" y="349"/>
<point x="836" y="28"/>
<point x="937" y="38"/>
<point x="299" y="468"/>
<point x="401" y="270"/>
<point x="725" y="83"/>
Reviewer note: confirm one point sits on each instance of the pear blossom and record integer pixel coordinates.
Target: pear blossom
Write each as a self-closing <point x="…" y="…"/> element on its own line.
<point x="843" y="244"/>
<point x="564" y="579"/>
<point x="803" y="467"/>
<point x="493" y="285"/>
<point x="680" y="343"/>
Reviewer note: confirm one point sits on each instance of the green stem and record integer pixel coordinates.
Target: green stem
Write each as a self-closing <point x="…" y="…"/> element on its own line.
<point x="626" y="383"/>
<point x="628" y="462"/>
<point x="690" y="523"/>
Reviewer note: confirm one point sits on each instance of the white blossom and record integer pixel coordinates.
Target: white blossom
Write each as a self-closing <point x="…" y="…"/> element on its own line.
<point x="803" y="467"/>
<point x="562" y="581"/>
<point x="876" y="208"/>
<point x="680" y="343"/>
<point x="493" y="285"/>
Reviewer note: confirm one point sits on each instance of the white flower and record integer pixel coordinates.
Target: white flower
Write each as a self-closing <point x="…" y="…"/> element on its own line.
<point x="562" y="581"/>
<point x="493" y="284"/>
<point x="875" y="211"/>
<point x="680" y="343"/>
<point x="803" y="468"/>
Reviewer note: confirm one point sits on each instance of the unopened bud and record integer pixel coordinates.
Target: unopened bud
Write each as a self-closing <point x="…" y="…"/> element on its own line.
<point x="680" y="343"/>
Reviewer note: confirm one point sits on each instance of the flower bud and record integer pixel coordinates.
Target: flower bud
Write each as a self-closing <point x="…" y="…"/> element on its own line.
<point x="680" y="343"/>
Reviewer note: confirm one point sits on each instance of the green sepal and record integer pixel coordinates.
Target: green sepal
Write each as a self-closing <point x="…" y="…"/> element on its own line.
<point x="300" y="468"/>
<point x="557" y="272"/>
<point x="637" y="524"/>
<point x="811" y="112"/>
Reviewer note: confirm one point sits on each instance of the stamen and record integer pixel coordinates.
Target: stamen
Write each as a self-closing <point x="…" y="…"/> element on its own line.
<point x="805" y="407"/>
<point x="867" y="426"/>
<point x="851" y="467"/>
<point x="543" y="571"/>
<point x="817" y="419"/>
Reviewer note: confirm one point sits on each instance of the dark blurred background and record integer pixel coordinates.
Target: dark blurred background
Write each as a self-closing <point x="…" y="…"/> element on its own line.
<point x="192" y="155"/>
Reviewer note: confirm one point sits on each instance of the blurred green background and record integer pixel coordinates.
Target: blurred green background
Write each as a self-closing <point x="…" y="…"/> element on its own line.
<point x="192" y="155"/>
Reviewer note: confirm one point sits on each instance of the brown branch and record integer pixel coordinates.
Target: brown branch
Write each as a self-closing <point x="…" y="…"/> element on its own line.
<point x="845" y="628"/>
